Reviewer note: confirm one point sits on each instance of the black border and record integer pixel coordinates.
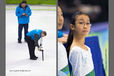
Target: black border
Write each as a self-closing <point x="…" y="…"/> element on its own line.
<point x="2" y="37"/>
<point x="56" y="38"/>
<point x="111" y="37"/>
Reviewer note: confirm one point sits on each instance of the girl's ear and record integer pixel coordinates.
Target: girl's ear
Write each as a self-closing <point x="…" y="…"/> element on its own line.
<point x="72" y="27"/>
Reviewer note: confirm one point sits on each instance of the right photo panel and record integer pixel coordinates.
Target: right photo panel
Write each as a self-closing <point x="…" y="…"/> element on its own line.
<point x="83" y="38"/>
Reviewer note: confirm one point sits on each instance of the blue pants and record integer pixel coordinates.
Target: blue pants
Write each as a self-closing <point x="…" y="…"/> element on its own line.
<point x="20" y="27"/>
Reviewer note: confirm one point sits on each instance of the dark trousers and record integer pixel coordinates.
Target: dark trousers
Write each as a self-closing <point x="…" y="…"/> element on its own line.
<point x="20" y="27"/>
<point x="31" y="47"/>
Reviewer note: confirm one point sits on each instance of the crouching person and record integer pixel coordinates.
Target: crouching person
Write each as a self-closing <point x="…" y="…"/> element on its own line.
<point x="32" y="41"/>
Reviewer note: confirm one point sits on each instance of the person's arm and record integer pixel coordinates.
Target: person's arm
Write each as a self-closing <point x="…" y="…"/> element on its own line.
<point x="65" y="35"/>
<point x="41" y="42"/>
<point x="76" y="62"/>
<point x="60" y="34"/>
<point x="62" y="37"/>
<point x="62" y="40"/>
<point x="36" y="38"/>
<point x="18" y="13"/>
<point x="29" y="12"/>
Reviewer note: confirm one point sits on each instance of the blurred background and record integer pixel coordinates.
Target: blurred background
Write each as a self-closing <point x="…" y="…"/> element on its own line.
<point x="33" y="2"/>
<point x="98" y="12"/>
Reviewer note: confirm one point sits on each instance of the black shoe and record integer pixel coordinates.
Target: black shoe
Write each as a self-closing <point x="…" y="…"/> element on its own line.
<point x="34" y="58"/>
<point x="19" y="41"/>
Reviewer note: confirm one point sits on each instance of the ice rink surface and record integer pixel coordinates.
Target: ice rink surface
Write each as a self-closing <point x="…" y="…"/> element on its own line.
<point x="17" y="55"/>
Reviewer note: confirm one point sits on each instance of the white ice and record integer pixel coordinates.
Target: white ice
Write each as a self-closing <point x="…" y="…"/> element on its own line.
<point x="17" y="55"/>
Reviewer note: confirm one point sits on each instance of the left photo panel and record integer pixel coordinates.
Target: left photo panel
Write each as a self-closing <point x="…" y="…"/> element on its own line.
<point x="30" y="33"/>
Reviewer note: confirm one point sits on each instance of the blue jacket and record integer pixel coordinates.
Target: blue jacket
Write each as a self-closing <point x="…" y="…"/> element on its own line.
<point x="33" y="32"/>
<point x="20" y="11"/>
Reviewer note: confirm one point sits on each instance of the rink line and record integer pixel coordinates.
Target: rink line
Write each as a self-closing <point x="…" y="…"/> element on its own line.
<point x="34" y="9"/>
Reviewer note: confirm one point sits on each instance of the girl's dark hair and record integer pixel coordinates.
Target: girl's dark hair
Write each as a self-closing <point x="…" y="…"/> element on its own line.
<point x="70" y="35"/>
<point x="73" y="18"/>
<point x="69" y="41"/>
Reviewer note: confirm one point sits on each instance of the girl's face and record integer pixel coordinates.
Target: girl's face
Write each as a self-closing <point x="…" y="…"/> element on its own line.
<point x="60" y="18"/>
<point x="82" y="25"/>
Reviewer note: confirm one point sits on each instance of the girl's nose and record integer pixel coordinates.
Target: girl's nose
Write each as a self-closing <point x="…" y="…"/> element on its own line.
<point x="85" y="25"/>
<point x="60" y="18"/>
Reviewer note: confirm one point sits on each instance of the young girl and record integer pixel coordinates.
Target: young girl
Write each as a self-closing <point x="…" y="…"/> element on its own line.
<point x="80" y="54"/>
<point x="63" y="68"/>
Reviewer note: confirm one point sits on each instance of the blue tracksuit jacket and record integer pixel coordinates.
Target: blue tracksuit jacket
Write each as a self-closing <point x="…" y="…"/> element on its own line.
<point x="20" y="11"/>
<point x="33" y="32"/>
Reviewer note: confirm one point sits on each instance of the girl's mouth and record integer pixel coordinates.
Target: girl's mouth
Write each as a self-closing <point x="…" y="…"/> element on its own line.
<point x="60" y="24"/>
<point x="85" y="30"/>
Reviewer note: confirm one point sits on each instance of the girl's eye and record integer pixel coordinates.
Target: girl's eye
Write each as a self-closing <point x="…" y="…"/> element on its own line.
<point x="81" y="22"/>
<point x="60" y="14"/>
<point x="87" y="23"/>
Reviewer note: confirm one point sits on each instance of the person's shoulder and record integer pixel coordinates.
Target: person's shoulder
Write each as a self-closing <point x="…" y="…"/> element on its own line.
<point x="76" y="50"/>
<point x="28" y="6"/>
<point x="87" y="46"/>
<point x="89" y="49"/>
<point x="18" y="6"/>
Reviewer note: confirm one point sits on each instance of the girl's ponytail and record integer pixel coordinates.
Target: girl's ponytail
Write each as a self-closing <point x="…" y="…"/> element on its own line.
<point x="69" y="41"/>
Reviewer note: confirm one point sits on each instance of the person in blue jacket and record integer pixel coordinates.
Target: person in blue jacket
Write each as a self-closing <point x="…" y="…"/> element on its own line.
<point x="23" y="13"/>
<point x="32" y="41"/>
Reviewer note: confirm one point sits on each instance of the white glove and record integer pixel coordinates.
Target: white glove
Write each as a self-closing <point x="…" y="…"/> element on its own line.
<point x="39" y="49"/>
